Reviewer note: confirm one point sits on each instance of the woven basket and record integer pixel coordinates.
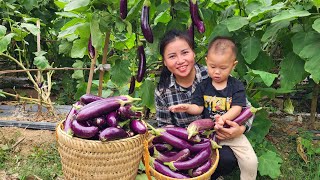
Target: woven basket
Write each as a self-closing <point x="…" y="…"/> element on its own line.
<point x="206" y="176"/>
<point x="94" y="160"/>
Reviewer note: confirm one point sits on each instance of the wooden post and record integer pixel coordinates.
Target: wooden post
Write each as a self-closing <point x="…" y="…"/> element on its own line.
<point x="39" y="73"/>
<point x="93" y="63"/>
<point x="104" y="61"/>
<point x="314" y="102"/>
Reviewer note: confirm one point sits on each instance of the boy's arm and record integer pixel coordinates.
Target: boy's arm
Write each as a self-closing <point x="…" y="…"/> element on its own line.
<point x="232" y="113"/>
<point x="188" y="108"/>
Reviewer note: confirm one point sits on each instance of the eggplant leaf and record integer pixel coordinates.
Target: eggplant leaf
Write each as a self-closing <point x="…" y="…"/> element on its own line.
<point x="269" y="164"/>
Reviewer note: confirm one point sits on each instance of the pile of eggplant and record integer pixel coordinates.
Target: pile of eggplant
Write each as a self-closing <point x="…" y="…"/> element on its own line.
<point x="174" y="153"/>
<point x="104" y="119"/>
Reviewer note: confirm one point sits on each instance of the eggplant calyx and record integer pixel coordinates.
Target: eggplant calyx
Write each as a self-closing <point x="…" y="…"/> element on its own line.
<point x="254" y="110"/>
<point x="147" y="3"/>
<point x="215" y="145"/>
<point x="171" y="166"/>
<point x="192" y="130"/>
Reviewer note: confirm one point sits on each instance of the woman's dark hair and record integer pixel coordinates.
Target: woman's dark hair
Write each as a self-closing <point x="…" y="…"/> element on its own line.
<point x="169" y="37"/>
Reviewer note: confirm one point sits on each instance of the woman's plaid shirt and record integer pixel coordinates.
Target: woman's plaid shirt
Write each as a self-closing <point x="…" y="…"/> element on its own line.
<point x="176" y="94"/>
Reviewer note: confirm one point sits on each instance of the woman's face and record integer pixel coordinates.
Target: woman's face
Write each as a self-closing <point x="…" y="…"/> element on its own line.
<point x="179" y="58"/>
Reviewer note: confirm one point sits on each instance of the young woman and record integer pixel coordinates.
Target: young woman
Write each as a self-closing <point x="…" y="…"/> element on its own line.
<point x="178" y="80"/>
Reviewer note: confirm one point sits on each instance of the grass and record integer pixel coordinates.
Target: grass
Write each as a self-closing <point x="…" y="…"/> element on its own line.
<point x="42" y="163"/>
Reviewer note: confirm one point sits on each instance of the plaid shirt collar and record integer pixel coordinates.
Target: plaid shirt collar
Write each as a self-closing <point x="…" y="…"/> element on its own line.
<point x="173" y="83"/>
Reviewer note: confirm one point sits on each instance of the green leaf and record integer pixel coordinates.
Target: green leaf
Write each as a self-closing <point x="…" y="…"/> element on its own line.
<point x="75" y="4"/>
<point x="260" y="127"/>
<point x="3" y="31"/>
<point x="277" y="91"/>
<point x="134" y="10"/>
<point x="265" y="9"/>
<point x="310" y="50"/>
<point x="67" y="14"/>
<point x="31" y="28"/>
<point x="263" y="62"/>
<point x="269" y="164"/>
<point x="302" y="39"/>
<point x="266" y="77"/>
<point x="96" y="34"/>
<point x="312" y="67"/>
<point x="5" y="41"/>
<point x="273" y="29"/>
<point x="78" y="74"/>
<point x="30" y="4"/>
<point x="69" y="31"/>
<point x="316" y="3"/>
<point x="250" y="48"/>
<point x="291" y="71"/>
<point x="316" y="25"/>
<point x="163" y="17"/>
<point x="219" y="30"/>
<point x="147" y="93"/>
<point x="41" y="62"/>
<point x="289" y="15"/>
<point x="65" y="47"/>
<point x="79" y="48"/>
<point x="235" y="23"/>
<point x="120" y="72"/>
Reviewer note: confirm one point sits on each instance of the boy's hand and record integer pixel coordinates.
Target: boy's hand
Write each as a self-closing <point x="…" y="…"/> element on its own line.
<point x="219" y="120"/>
<point x="179" y="108"/>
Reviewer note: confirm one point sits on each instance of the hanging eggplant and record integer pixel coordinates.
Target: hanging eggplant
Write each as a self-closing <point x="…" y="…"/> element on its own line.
<point x="142" y="62"/>
<point x="123" y="9"/>
<point x="191" y="29"/>
<point x="145" y="26"/>
<point x="91" y="49"/>
<point x="194" y="11"/>
<point x="132" y="84"/>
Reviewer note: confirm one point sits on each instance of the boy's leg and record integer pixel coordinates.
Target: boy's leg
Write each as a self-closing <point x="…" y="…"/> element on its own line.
<point x="247" y="159"/>
<point x="227" y="162"/>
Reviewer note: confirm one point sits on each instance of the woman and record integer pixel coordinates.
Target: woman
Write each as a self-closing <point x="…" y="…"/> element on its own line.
<point x="179" y="77"/>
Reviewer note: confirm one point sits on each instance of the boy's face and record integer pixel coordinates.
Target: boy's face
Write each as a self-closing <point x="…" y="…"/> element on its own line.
<point x="220" y="65"/>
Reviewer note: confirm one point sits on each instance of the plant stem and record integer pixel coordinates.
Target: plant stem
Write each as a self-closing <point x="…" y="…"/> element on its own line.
<point x="24" y="98"/>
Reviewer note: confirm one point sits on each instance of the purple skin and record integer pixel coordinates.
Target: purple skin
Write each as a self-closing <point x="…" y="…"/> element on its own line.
<point x="174" y="141"/>
<point x="145" y="27"/>
<point x="165" y="170"/>
<point x="112" y="133"/>
<point x="100" y="122"/>
<point x="123" y="9"/>
<point x="88" y="98"/>
<point x="142" y="63"/>
<point x="112" y="119"/>
<point x="202" y="169"/>
<point x="132" y="84"/>
<point x="91" y="49"/>
<point x="83" y="131"/>
<point x="99" y="110"/>
<point x="191" y="31"/>
<point x="138" y="127"/>
<point x="69" y="119"/>
<point x="180" y="156"/>
<point x="243" y="117"/>
<point x="163" y="147"/>
<point x="157" y="139"/>
<point x="182" y="133"/>
<point x="196" y="161"/>
<point x="200" y="146"/>
<point x="195" y="16"/>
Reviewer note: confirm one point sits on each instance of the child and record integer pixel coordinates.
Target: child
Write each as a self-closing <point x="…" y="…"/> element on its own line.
<point x="222" y="97"/>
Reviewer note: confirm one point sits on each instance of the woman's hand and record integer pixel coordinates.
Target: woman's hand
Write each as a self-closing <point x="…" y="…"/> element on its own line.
<point x="228" y="133"/>
<point x="179" y="108"/>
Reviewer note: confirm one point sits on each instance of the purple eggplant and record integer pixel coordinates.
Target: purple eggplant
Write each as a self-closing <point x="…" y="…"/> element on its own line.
<point x="198" y="125"/>
<point x="100" y="122"/>
<point x="157" y="139"/>
<point x="91" y="49"/>
<point x="142" y="62"/>
<point x="202" y="169"/>
<point x="99" y="110"/>
<point x="138" y="127"/>
<point x="123" y="9"/>
<point x="128" y="111"/>
<point x="199" y="146"/>
<point x="83" y="131"/>
<point x="165" y="170"/>
<point x="145" y="26"/>
<point x="196" y="161"/>
<point x="244" y="116"/>
<point x="88" y="98"/>
<point x="182" y="133"/>
<point x="180" y="156"/>
<point x="191" y="30"/>
<point x="132" y="84"/>
<point x="112" y="133"/>
<point x="112" y="119"/>
<point x="163" y="147"/>
<point x="194" y="11"/>
<point x="70" y="117"/>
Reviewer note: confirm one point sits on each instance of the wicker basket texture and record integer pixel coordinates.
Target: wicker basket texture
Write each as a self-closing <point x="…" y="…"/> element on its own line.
<point x="95" y="160"/>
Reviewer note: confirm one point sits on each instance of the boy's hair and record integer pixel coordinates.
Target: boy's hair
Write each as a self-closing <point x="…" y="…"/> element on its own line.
<point x="221" y="43"/>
